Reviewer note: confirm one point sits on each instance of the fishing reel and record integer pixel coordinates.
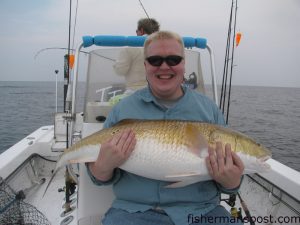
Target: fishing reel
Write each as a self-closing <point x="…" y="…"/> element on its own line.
<point x="231" y="200"/>
<point x="236" y="213"/>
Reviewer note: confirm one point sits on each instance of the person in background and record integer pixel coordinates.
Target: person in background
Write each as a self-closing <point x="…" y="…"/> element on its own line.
<point x="130" y="62"/>
<point x="147" y="26"/>
<point x="144" y="201"/>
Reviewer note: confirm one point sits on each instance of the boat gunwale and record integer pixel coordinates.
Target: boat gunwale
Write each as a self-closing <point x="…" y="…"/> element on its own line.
<point x="23" y="165"/>
<point x="261" y="179"/>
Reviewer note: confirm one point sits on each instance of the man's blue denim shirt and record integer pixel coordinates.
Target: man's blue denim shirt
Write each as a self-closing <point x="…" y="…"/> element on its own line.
<point x="134" y="193"/>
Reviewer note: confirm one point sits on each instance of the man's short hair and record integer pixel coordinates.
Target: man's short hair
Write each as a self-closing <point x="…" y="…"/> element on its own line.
<point x="163" y="35"/>
<point x="149" y="25"/>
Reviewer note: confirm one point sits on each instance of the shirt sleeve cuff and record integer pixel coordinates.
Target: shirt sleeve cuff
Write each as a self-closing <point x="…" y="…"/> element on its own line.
<point x="116" y="176"/>
<point x="229" y="191"/>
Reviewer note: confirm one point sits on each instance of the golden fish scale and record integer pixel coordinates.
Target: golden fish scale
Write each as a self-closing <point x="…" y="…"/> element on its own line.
<point x="166" y="132"/>
<point x="179" y="133"/>
<point x="238" y="141"/>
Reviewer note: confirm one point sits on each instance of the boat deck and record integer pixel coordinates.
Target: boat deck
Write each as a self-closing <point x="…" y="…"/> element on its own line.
<point x="55" y="195"/>
<point x="47" y="209"/>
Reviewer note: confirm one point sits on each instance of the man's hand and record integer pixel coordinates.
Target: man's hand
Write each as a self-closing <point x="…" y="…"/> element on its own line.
<point x="226" y="170"/>
<point x="113" y="153"/>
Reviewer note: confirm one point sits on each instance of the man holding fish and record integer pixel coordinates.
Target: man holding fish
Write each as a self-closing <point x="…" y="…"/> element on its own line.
<point x="141" y="200"/>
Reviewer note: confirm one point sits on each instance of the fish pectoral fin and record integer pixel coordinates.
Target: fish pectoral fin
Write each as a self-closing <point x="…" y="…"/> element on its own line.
<point x="81" y="160"/>
<point x="196" y="141"/>
<point x="180" y="176"/>
<point x="87" y="153"/>
<point x="182" y="183"/>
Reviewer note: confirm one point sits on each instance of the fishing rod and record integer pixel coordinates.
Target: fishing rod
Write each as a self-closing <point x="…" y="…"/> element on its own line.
<point x="232" y="57"/>
<point x="225" y="70"/>
<point x="62" y="48"/>
<point x="52" y="48"/>
<point x="75" y="23"/>
<point x="150" y="21"/>
<point x="246" y="210"/>
<point x="144" y="9"/>
<point x="66" y="85"/>
<point x="67" y="72"/>
<point x="229" y="49"/>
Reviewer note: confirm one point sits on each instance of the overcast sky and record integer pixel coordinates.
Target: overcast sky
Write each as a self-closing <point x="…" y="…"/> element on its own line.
<point x="268" y="54"/>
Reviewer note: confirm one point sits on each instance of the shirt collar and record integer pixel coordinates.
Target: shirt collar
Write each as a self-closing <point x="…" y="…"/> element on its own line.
<point x="146" y="95"/>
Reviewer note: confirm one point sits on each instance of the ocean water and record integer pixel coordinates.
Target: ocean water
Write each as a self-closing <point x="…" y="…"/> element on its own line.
<point x="270" y="115"/>
<point x="26" y="106"/>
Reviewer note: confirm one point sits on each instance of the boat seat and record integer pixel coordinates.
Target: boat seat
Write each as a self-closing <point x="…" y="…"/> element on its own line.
<point x="93" y="200"/>
<point x="96" y="109"/>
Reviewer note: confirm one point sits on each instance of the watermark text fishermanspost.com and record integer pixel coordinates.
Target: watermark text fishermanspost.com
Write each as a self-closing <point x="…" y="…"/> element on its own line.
<point x="194" y="219"/>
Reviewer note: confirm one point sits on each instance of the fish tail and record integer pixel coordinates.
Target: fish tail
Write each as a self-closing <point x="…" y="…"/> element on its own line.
<point x="85" y="154"/>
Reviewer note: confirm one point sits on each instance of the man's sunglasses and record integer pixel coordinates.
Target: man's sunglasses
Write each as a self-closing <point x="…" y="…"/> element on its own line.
<point x="171" y="60"/>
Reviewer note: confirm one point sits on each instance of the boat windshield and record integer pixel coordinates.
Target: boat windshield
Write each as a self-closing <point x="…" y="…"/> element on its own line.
<point x="104" y="87"/>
